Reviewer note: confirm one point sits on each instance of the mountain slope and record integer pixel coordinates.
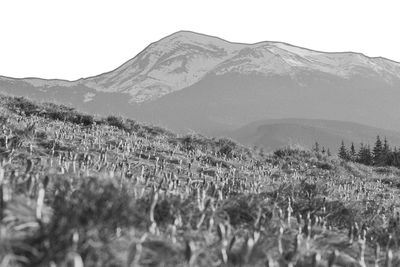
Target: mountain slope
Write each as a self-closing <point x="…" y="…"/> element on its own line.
<point x="273" y="134"/>
<point x="189" y="81"/>
<point x="93" y="195"/>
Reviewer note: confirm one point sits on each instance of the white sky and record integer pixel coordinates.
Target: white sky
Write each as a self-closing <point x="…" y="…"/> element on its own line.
<point x="70" y="39"/>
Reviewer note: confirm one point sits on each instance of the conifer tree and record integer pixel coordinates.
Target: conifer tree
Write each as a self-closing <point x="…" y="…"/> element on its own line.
<point x="377" y="151"/>
<point x="386" y="147"/>
<point x="364" y="155"/>
<point x="386" y="155"/>
<point x="352" y="153"/>
<point x="343" y="152"/>
<point x="396" y="158"/>
<point x="361" y="154"/>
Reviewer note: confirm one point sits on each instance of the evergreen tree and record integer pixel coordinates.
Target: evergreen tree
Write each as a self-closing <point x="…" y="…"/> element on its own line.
<point x="328" y="152"/>
<point x="385" y="158"/>
<point x="396" y="158"/>
<point x="377" y="151"/>
<point x="323" y="150"/>
<point x="364" y="155"/>
<point x="343" y="152"/>
<point x="361" y="154"/>
<point x="352" y="154"/>
<point x="386" y="147"/>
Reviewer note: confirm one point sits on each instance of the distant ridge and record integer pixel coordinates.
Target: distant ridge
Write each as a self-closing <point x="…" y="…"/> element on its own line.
<point x="273" y="134"/>
<point x="190" y="81"/>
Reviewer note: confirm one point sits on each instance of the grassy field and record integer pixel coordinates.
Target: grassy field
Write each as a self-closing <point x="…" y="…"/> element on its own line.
<point x="82" y="191"/>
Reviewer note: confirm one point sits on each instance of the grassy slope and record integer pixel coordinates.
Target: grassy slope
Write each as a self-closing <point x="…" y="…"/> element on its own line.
<point x="115" y="196"/>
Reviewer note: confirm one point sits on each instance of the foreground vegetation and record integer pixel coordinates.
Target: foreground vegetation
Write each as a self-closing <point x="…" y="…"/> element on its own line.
<point x="76" y="190"/>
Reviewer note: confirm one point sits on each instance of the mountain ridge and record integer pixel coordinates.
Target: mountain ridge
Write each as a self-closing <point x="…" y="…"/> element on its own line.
<point x="275" y="133"/>
<point x="184" y="33"/>
<point x="195" y="81"/>
<point x="206" y="35"/>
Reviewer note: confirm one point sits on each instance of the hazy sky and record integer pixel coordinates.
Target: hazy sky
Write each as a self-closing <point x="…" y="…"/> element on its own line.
<point x="70" y="39"/>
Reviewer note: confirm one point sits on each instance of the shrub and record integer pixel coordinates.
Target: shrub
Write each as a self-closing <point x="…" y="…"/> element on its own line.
<point x="325" y="166"/>
<point x="21" y="104"/>
<point x="86" y="119"/>
<point x="284" y="152"/>
<point x="192" y="142"/>
<point x="116" y="122"/>
<point x="156" y="131"/>
<point x="226" y="146"/>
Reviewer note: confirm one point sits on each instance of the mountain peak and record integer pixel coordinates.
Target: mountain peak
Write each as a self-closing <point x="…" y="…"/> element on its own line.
<point x="235" y="82"/>
<point x="189" y="35"/>
<point x="184" y="57"/>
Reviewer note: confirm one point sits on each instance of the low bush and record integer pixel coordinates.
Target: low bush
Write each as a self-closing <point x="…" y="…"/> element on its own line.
<point x="116" y="122"/>
<point x="21" y="104"/>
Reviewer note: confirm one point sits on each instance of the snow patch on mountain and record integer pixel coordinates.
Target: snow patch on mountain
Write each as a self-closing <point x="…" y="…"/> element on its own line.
<point x="171" y="64"/>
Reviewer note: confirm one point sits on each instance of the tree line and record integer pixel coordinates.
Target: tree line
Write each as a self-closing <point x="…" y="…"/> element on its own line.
<point x="380" y="155"/>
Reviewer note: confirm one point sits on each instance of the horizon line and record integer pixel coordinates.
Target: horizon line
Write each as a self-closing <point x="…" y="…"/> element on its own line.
<point x="204" y="35"/>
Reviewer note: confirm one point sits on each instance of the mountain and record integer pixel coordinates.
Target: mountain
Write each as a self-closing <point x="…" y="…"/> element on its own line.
<point x="273" y="134"/>
<point x="190" y="81"/>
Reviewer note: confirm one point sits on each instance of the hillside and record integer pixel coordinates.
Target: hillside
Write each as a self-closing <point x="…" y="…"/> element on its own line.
<point x="274" y="134"/>
<point x="78" y="190"/>
<point x="189" y="81"/>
